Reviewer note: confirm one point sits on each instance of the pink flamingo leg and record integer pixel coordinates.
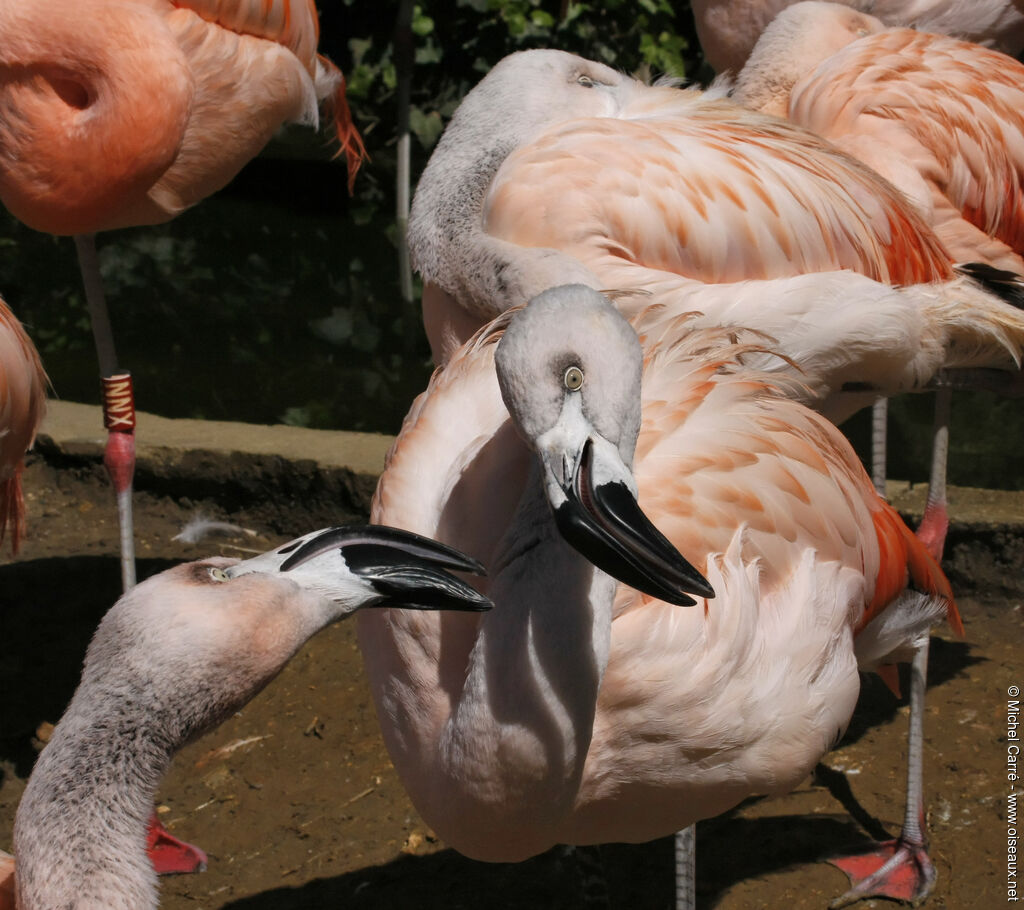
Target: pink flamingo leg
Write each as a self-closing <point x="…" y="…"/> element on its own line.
<point x="935" y="523"/>
<point x="118" y="403"/>
<point x="899" y="869"/>
<point x="119" y="459"/>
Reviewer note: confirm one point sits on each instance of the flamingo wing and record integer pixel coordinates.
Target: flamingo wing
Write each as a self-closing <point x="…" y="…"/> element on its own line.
<point x="943" y="120"/>
<point x="701" y="189"/>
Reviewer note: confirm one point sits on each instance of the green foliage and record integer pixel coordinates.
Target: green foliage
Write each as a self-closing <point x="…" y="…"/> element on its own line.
<point x="457" y="41"/>
<point x="237" y="310"/>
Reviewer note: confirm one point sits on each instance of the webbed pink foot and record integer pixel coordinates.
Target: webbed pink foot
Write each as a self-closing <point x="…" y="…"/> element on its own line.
<point x="895" y="869"/>
<point x="169" y="855"/>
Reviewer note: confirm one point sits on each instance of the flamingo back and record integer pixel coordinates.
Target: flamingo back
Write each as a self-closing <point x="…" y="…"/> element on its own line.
<point x="695" y="186"/>
<point x="943" y="119"/>
<point x="120" y="113"/>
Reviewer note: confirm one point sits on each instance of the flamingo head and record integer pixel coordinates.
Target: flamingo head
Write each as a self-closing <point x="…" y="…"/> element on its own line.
<point x="569" y="367"/>
<point x="197" y="641"/>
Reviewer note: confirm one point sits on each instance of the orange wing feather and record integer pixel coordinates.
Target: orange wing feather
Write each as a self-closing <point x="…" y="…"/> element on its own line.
<point x="901" y="553"/>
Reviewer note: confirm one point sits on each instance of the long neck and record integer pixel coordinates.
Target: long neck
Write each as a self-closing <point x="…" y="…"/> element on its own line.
<point x="80" y="831"/>
<point x="447" y="238"/>
<point x="514" y="745"/>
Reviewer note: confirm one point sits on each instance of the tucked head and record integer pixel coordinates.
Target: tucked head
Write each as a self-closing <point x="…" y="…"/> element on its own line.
<point x="794" y="43"/>
<point x="529" y="89"/>
<point x="569" y="367"/>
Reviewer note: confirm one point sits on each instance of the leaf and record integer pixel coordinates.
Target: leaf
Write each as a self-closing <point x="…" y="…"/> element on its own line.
<point x="426" y="127"/>
<point x="421" y="23"/>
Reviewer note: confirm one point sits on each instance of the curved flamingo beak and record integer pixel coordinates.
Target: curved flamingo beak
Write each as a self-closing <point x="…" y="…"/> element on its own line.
<point x="604" y="522"/>
<point x="401" y="569"/>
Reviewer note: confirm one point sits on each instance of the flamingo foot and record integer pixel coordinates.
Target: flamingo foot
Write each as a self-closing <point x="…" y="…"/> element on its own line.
<point x="932" y="530"/>
<point x="169" y="855"/>
<point x="896" y="869"/>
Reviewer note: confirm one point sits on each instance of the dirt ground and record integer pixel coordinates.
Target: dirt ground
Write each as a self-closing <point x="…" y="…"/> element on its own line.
<point x="295" y="800"/>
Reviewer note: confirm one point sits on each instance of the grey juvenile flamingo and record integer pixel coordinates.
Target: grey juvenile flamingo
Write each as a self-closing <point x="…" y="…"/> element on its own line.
<point x="171" y="659"/>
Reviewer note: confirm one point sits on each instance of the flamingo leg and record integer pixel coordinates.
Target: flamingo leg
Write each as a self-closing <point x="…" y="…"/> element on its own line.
<point x="935" y="522"/>
<point x="118" y="403"/>
<point x="879" y="418"/>
<point x="899" y="869"/>
<point x="686" y="857"/>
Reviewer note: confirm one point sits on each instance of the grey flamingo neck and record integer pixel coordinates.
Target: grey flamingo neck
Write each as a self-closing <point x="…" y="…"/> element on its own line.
<point x="447" y="238"/>
<point x="553" y="615"/>
<point x="80" y="835"/>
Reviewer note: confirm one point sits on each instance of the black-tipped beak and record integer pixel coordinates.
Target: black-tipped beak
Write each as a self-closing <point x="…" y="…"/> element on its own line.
<point x="406" y="569"/>
<point x="606" y="525"/>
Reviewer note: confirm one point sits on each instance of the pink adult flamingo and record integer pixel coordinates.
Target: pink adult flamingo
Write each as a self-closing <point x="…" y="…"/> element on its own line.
<point x="941" y="119"/>
<point x="583" y="711"/>
<point x="171" y="659"/>
<point x="22" y="403"/>
<point x="116" y="113"/>
<point x="729" y="29"/>
<point x="555" y="168"/>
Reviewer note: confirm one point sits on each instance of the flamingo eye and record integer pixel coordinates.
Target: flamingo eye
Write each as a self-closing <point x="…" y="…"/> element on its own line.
<point x="219" y="575"/>
<point x="586" y="81"/>
<point x="573" y="378"/>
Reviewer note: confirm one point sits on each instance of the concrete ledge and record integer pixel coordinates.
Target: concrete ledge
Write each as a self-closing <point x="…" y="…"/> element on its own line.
<point x="269" y="469"/>
<point x="79" y="427"/>
<point x="967" y="505"/>
<point x="329" y="476"/>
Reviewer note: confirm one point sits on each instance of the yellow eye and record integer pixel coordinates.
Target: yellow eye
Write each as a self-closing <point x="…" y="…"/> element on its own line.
<point x="218" y="574"/>
<point x="573" y="379"/>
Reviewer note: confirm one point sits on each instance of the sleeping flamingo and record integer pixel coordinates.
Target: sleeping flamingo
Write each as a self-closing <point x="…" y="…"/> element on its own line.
<point x="115" y="113"/>
<point x="584" y="711"/>
<point x="729" y="29"/>
<point x="555" y="169"/>
<point x="22" y="403"/>
<point x="941" y="119"/>
<point x="171" y="659"/>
